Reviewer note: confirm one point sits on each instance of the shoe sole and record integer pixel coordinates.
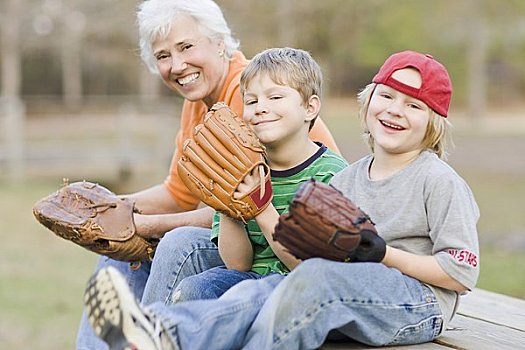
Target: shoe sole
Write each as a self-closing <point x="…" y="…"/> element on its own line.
<point x="114" y="312"/>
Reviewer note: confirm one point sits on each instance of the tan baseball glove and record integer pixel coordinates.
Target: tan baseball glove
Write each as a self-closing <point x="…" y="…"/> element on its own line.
<point x="215" y="160"/>
<point x="95" y="218"/>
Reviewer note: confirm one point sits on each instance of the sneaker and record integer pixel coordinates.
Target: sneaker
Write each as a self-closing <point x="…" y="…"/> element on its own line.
<point x="118" y="318"/>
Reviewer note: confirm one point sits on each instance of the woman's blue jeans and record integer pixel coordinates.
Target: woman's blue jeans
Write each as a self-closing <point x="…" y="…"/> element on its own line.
<point x="367" y="302"/>
<point x="183" y="252"/>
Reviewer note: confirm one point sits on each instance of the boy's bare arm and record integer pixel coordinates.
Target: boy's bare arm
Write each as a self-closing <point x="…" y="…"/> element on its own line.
<point x="235" y="247"/>
<point x="422" y="267"/>
<point x="267" y="220"/>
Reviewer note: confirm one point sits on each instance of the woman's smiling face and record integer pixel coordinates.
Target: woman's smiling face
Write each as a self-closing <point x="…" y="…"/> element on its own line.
<point x="190" y="63"/>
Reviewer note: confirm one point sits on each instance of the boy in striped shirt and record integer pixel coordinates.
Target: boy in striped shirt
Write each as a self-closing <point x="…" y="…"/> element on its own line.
<point x="281" y="91"/>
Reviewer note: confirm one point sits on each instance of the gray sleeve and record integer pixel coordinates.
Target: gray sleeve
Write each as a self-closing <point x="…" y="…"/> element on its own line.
<point x="452" y="218"/>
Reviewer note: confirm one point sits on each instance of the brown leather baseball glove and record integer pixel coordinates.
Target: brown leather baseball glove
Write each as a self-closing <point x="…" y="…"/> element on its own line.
<point x="95" y="218"/>
<point x="215" y="160"/>
<point x="322" y="222"/>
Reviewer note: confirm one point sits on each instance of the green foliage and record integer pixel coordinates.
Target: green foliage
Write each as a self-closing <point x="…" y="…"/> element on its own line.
<point x="350" y="37"/>
<point x="497" y="195"/>
<point x="42" y="276"/>
<point x="502" y="272"/>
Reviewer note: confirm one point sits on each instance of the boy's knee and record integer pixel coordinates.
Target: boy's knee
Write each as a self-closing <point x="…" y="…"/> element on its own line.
<point x="190" y="289"/>
<point x="312" y="267"/>
<point x="321" y="273"/>
<point x="179" y="234"/>
<point x="308" y="274"/>
<point x="332" y="277"/>
<point x="181" y="238"/>
<point x="183" y="292"/>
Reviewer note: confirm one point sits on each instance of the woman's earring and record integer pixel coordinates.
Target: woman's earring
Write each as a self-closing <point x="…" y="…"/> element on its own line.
<point x="221" y="53"/>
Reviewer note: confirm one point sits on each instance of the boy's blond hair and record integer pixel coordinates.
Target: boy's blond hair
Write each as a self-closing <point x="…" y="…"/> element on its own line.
<point x="436" y="139"/>
<point x="286" y="66"/>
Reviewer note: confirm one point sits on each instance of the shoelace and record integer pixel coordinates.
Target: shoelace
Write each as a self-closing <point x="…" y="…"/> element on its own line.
<point x="158" y="334"/>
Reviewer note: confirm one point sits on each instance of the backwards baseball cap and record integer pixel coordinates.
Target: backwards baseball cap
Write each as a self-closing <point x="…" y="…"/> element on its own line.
<point x="436" y="87"/>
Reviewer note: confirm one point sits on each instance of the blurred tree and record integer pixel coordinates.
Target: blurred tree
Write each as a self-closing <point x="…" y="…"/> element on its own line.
<point x="477" y="59"/>
<point x="10" y="49"/>
<point x="72" y="32"/>
<point x="90" y="46"/>
<point x="12" y="110"/>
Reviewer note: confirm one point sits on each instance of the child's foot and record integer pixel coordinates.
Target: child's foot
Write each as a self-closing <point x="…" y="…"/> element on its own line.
<point x="118" y="318"/>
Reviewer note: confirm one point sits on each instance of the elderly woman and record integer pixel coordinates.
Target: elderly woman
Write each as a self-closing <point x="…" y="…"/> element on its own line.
<point x="190" y="46"/>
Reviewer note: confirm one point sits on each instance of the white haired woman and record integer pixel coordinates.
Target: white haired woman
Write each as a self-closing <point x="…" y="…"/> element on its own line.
<point x="190" y="46"/>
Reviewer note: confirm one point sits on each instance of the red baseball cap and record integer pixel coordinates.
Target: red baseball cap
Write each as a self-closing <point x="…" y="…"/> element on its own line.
<point x="436" y="87"/>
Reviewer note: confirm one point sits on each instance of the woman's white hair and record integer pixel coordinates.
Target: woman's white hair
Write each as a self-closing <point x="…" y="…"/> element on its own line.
<point x="155" y="17"/>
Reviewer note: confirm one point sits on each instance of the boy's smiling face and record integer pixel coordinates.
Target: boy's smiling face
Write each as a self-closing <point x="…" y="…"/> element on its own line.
<point x="396" y="121"/>
<point x="276" y="113"/>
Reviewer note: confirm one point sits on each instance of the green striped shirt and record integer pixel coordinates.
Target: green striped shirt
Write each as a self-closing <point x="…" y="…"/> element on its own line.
<point x="322" y="166"/>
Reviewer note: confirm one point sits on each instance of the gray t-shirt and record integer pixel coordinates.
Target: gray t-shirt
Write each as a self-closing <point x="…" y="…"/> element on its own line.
<point x="426" y="209"/>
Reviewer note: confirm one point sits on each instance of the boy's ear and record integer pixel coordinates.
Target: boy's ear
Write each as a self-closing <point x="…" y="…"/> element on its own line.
<point x="313" y="107"/>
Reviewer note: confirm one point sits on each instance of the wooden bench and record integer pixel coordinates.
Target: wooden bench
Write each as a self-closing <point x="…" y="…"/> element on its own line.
<point x="484" y="321"/>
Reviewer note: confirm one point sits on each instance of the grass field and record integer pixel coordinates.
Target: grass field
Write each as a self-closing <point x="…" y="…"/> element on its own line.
<point x="42" y="277"/>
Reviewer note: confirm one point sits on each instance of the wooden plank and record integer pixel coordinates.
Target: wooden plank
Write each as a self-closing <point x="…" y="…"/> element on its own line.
<point x="474" y="334"/>
<point x="464" y="333"/>
<point x="358" y="346"/>
<point x="495" y="308"/>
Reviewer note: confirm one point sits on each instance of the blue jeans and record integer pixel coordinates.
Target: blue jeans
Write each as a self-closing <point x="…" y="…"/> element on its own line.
<point x="367" y="302"/>
<point x="183" y="252"/>
<point x="211" y="284"/>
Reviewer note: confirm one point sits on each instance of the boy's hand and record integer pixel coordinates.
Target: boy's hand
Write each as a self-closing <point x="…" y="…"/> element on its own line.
<point x="250" y="183"/>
